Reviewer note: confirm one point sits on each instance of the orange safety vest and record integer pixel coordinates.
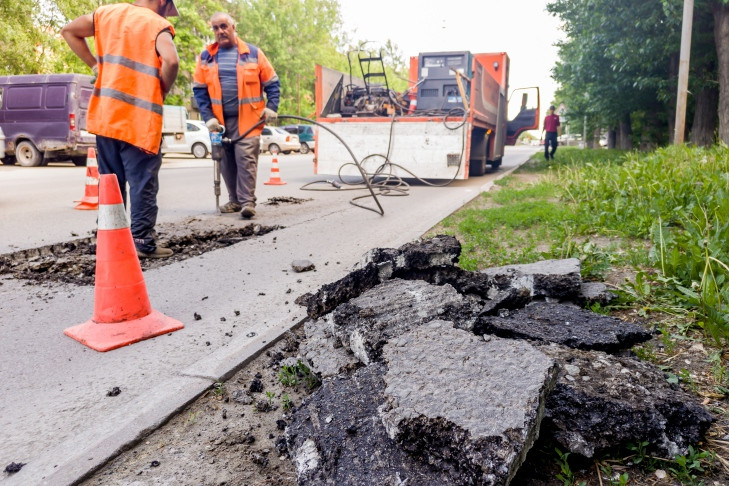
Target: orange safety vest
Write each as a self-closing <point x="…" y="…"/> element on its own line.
<point x="253" y="71"/>
<point x="127" y="100"/>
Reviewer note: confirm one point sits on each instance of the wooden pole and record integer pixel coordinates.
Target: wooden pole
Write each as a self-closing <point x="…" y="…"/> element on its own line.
<point x="683" y="71"/>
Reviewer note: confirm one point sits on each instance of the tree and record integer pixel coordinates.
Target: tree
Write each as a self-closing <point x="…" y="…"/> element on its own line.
<point x="720" y="9"/>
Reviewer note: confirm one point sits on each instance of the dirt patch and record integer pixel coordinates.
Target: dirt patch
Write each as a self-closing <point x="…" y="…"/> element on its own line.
<point x="233" y="434"/>
<point x="275" y="201"/>
<point x="75" y="261"/>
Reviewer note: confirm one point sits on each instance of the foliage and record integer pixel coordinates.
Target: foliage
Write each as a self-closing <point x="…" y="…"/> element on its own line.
<point x="677" y="198"/>
<point x="292" y="375"/>
<point x="686" y="467"/>
<point x="566" y="475"/>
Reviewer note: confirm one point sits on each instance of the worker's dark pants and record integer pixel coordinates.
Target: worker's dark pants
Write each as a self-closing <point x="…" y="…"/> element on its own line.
<point x="240" y="164"/>
<point x="550" y="139"/>
<point x="140" y="169"/>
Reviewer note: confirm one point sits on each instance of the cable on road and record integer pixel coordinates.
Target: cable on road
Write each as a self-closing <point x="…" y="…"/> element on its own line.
<point x="382" y="181"/>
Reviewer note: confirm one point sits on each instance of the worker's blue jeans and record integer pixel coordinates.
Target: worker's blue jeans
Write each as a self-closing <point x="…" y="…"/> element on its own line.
<point x="140" y="170"/>
<point x="550" y="138"/>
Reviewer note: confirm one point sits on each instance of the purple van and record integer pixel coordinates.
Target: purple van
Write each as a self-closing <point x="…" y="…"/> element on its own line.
<point x="43" y="117"/>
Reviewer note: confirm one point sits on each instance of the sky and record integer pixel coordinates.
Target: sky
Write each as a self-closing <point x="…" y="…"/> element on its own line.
<point x="521" y="28"/>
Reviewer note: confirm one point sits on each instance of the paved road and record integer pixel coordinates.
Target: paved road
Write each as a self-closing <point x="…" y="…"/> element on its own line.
<point x="57" y="416"/>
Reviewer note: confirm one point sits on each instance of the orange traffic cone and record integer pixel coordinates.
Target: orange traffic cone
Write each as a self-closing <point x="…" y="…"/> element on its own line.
<point x="91" y="195"/>
<point x="122" y="312"/>
<point x="275" y="179"/>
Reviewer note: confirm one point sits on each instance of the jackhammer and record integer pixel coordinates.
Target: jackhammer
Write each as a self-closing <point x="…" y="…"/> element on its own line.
<point x="217" y="151"/>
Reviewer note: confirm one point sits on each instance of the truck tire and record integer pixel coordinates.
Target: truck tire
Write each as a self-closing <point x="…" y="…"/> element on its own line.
<point x="476" y="168"/>
<point x="495" y="164"/>
<point x="304" y="148"/>
<point x="28" y="155"/>
<point x="199" y="150"/>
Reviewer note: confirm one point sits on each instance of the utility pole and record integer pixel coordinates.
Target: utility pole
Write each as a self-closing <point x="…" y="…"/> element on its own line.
<point x="683" y="71"/>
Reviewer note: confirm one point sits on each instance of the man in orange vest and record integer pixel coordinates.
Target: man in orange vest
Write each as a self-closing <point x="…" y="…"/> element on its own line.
<point x="230" y="79"/>
<point x="134" y="74"/>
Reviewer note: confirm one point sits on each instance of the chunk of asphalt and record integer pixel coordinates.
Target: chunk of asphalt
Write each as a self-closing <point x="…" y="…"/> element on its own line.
<point x="300" y="266"/>
<point x="594" y="293"/>
<point x="337" y="437"/>
<point x="379" y="265"/>
<point x="559" y="279"/>
<point x="602" y="402"/>
<point x="324" y="352"/>
<point x="366" y="322"/>
<point x="434" y="371"/>
<point x="564" y="324"/>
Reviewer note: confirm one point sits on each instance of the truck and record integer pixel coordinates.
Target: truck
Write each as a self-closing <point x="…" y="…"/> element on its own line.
<point x="43" y="117"/>
<point x="451" y="122"/>
<point x="174" y="126"/>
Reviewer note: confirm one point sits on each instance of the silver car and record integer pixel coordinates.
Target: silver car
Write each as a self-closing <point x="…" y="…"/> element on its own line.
<point x="276" y="140"/>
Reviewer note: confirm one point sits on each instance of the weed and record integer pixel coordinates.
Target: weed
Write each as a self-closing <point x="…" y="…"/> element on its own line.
<point x="270" y="396"/>
<point x="612" y="478"/>
<point x="191" y="418"/>
<point x="646" y="353"/>
<point x="566" y="475"/>
<point x="685" y="468"/>
<point x="286" y="402"/>
<point x="218" y="390"/>
<point x="640" y="456"/>
<point x="292" y="375"/>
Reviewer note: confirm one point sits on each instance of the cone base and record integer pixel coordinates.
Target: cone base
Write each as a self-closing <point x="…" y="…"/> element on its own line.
<point x="84" y="205"/>
<point x="274" y="183"/>
<point x="107" y="336"/>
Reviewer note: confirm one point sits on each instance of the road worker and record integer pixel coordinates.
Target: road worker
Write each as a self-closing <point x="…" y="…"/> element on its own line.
<point x="230" y="79"/>
<point x="136" y="67"/>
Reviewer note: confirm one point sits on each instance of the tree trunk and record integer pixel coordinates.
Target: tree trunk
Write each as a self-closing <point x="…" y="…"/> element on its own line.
<point x="705" y="114"/>
<point x="721" y="39"/>
<point x="671" y="103"/>
<point x="612" y="136"/>
<point x="624" y="132"/>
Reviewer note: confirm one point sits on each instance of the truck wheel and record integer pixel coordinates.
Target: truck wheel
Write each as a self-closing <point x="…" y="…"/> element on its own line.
<point x="199" y="150"/>
<point x="79" y="160"/>
<point x="28" y="155"/>
<point x="304" y="148"/>
<point x="476" y="168"/>
<point x="274" y="149"/>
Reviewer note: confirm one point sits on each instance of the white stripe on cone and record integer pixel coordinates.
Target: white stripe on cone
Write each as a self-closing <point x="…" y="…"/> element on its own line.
<point x="92" y="181"/>
<point x="91" y="162"/>
<point x="112" y="216"/>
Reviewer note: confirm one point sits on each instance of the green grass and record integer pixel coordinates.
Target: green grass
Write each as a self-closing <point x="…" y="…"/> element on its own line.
<point x="664" y="214"/>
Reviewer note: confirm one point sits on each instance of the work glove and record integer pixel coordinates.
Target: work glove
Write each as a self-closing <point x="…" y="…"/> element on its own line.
<point x="214" y="125"/>
<point x="269" y="115"/>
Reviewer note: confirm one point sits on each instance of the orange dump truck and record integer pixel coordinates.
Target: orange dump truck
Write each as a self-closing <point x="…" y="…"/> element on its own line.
<point x="451" y="123"/>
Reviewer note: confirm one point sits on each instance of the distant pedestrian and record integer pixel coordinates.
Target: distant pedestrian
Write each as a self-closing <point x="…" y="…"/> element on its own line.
<point x="230" y="79"/>
<point x="136" y="67"/>
<point x="553" y="130"/>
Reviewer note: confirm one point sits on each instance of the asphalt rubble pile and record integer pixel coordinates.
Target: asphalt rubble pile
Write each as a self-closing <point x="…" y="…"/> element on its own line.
<point x="436" y="375"/>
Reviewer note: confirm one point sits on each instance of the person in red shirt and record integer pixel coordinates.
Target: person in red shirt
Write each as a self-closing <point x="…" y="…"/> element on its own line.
<point x="553" y="130"/>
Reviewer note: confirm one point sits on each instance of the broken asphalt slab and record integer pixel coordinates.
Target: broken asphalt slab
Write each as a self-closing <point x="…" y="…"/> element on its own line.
<point x="404" y="422"/>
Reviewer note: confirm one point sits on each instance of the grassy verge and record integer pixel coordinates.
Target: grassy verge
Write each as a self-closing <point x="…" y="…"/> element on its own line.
<point x="655" y="226"/>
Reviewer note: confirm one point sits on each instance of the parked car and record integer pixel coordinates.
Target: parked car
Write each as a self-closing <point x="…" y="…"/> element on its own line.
<point x="43" y="117"/>
<point x="196" y="141"/>
<point x="306" y="136"/>
<point x="275" y="140"/>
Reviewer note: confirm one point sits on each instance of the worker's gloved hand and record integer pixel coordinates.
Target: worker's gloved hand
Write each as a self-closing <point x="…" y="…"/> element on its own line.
<point x="95" y="70"/>
<point x="269" y="115"/>
<point x="214" y="125"/>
